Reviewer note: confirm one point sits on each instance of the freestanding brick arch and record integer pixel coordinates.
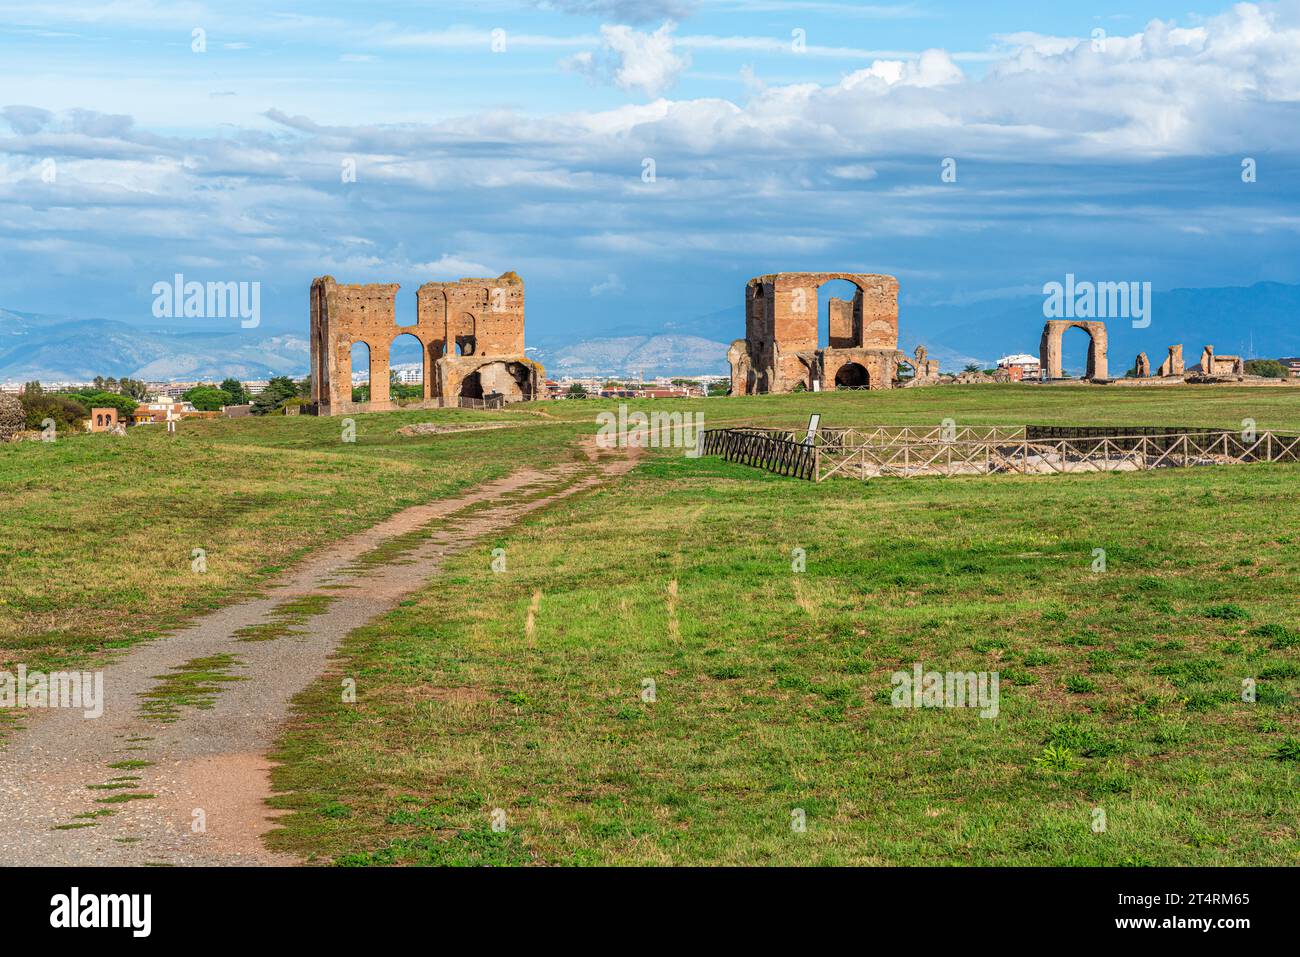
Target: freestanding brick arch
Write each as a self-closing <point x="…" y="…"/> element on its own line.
<point x="1049" y="347"/>
<point x="460" y="326"/>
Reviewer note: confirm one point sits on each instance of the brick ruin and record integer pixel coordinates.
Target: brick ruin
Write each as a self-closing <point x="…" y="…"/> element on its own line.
<point x="1173" y="364"/>
<point x="781" y="350"/>
<point x="1049" y="347"/>
<point x="1211" y="367"/>
<point x="1218" y="366"/>
<point x="471" y="335"/>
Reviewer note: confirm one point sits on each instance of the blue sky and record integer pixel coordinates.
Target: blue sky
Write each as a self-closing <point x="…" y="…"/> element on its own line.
<point x="784" y="135"/>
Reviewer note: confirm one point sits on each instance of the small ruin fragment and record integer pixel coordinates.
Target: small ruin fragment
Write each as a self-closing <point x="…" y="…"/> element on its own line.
<point x="1220" y="366"/>
<point x="1173" y="364"/>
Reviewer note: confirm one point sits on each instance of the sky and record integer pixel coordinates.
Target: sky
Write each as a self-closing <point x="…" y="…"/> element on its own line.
<point x="636" y="161"/>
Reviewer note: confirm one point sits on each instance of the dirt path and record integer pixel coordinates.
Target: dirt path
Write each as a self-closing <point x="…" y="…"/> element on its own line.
<point x="132" y="786"/>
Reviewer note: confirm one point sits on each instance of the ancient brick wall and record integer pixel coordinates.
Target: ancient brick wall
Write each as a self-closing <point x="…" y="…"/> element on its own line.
<point x="468" y="318"/>
<point x="781" y="349"/>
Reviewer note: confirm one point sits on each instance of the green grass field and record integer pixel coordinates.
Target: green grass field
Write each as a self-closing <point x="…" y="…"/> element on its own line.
<point x="1121" y="691"/>
<point x="98" y="533"/>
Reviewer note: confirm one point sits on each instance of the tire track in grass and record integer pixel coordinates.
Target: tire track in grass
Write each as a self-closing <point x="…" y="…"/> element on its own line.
<point x="175" y="769"/>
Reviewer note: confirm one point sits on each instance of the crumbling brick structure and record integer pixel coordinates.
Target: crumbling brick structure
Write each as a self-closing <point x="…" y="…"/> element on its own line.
<point x="1216" y="365"/>
<point x="1173" y="364"/>
<point x="1049" y="347"/>
<point x="781" y="351"/>
<point x="471" y="334"/>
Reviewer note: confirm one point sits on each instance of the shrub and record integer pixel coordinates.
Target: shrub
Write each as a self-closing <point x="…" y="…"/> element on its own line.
<point x="1289" y="750"/>
<point x="1278" y="635"/>
<point x="1269" y="368"/>
<point x="1056" y="757"/>
<point x="1226" y="613"/>
<point x="65" y="412"/>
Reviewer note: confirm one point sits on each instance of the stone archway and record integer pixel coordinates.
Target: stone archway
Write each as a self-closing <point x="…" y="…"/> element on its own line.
<point x="852" y="375"/>
<point x="471" y="387"/>
<point x="1049" y="347"/>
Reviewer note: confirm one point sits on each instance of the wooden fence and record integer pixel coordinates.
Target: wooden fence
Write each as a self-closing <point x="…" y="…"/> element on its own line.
<point x="773" y="450"/>
<point x="907" y="451"/>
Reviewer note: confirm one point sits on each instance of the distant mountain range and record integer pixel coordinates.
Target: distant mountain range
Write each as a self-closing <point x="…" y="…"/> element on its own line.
<point x="58" y="348"/>
<point x="1252" y="321"/>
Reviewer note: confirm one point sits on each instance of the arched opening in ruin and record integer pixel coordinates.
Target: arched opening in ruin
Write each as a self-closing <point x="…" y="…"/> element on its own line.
<point x="904" y="372"/>
<point x="461" y="335"/>
<point x="359" y="371"/>
<point x="471" y="386"/>
<point x="406" y="369"/>
<point x="852" y="375"/>
<point x="836" y="326"/>
<point x="406" y="308"/>
<point x="1076" y="347"/>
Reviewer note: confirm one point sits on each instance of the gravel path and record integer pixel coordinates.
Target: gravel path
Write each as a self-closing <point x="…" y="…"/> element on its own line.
<point x="212" y="757"/>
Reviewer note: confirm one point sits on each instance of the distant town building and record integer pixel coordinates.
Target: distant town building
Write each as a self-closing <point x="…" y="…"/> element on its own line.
<point x="102" y="419"/>
<point x="156" y="411"/>
<point x="1292" y="365"/>
<point x="1021" y="366"/>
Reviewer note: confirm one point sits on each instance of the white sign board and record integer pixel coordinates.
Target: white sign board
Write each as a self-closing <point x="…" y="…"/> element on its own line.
<point x="813" y="421"/>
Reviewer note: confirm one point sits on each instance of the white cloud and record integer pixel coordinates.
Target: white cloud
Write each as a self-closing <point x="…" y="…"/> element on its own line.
<point x="632" y="60"/>
<point x="737" y="181"/>
<point x="449" y="267"/>
<point x="853" y="171"/>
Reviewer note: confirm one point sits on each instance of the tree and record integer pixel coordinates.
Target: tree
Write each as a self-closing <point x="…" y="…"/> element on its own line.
<point x="110" y="384"/>
<point x="1269" y="368"/>
<point x="92" y="399"/>
<point x="235" y="389"/>
<point x="32" y="388"/>
<point x="722" y="387"/>
<point x="972" y="367"/>
<point x="576" y="391"/>
<point x="137" y="389"/>
<point x="99" y="383"/>
<point x="278" y="391"/>
<point x="207" y="398"/>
